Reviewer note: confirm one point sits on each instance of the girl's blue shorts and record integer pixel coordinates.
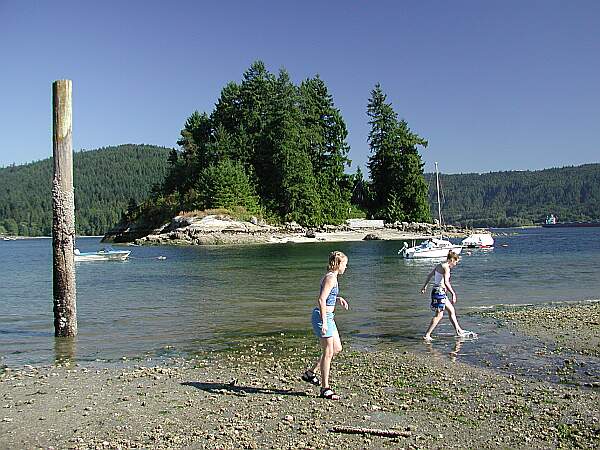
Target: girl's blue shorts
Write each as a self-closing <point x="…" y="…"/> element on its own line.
<point x="317" y="323"/>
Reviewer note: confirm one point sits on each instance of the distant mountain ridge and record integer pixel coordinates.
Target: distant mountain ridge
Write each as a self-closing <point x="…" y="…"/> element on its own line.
<point x="105" y="180"/>
<point x="517" y="198"/>
<point x="108" y="179"/>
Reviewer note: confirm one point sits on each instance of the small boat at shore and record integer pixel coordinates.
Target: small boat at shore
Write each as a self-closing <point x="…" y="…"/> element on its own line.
<point x="478" y="240"/>
<point x="431" y="248"/>
<point x="106" y="254"/>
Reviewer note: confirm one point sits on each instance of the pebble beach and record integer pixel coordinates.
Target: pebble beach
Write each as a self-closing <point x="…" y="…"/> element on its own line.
<point x="252" y="397"/>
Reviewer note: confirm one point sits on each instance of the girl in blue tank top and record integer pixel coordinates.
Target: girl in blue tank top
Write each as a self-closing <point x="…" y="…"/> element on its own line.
<point x="324" y="326"/>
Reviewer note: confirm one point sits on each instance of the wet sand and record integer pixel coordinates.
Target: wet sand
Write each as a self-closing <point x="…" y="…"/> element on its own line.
<point x="252" y="397"/>
<point x="567" y="326"/>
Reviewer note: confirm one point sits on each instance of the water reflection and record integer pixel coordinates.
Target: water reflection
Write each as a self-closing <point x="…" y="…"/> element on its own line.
<point x="440" y="350"/>
<point x="65" y="350"/>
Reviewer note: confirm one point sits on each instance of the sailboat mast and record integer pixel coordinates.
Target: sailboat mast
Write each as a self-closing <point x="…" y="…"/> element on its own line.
<point x="437" y="182"/>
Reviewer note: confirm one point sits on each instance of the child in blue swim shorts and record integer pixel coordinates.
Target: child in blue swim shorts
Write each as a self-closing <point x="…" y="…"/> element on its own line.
<point x="439" y="296"/>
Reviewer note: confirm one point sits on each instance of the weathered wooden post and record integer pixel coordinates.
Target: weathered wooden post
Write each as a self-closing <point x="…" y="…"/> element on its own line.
<point x="63" y="207"/>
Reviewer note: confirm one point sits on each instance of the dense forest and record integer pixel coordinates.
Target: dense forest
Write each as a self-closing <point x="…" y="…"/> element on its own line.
<point x="516" y="198"/>
<point x="107" y="182"/>
<point x="113" y="180"/>
<point x="278" y="150"/>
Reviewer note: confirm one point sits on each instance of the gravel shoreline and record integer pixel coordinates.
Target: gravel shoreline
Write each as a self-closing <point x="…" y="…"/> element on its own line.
<point x="573" y="327"/>
<point x="252" y="397"/>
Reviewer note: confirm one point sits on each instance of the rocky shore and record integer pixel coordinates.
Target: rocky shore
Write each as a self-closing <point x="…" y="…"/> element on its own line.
<point x="252" y="397"/>
<point x="568" y="327"/>
<point x="222" y="229"/>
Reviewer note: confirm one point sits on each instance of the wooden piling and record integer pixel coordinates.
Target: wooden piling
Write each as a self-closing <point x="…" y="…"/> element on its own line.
<point x="63" y="208"/>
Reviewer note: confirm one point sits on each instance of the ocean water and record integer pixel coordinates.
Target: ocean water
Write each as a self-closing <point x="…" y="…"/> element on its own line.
<point x="212" y="297"/>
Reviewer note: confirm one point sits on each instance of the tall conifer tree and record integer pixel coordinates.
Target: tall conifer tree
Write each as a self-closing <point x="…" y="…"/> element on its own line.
<point x="326" y="135"/>
<point x="396" y="168"/>
<point x="296" y="188"/>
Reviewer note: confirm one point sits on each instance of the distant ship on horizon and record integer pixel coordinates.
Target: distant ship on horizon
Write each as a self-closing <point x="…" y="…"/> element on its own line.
<point x="551" y="222"/>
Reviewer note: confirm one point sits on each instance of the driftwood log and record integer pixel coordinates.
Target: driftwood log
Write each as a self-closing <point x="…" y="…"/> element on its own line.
<point x="374" y="431"/>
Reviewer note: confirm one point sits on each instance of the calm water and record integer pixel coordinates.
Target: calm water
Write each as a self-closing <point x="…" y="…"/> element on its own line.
<point x="208" y="297"/>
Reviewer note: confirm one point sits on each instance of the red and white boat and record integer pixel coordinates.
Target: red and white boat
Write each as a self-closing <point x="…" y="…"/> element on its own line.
<point x="478" y="240"/>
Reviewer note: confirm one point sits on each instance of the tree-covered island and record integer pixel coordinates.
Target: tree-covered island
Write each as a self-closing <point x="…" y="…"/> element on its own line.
<point x="278" y="151"/>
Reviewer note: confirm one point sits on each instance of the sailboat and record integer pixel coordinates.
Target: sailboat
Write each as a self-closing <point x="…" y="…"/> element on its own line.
<point x="433" y="247"/>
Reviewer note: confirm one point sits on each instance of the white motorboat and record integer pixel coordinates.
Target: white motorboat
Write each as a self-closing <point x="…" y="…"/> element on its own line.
<point x="102" y="255"/>
<point x="479" y="240"/>
<point x="431" y="248"/>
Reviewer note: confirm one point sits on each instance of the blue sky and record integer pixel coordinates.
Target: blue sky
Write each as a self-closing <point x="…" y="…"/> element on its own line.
<point x="493" y="86"/>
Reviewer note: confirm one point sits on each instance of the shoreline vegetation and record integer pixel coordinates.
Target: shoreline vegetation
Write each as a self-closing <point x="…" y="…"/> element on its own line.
<point x="35" y="220"/>
<point x="252" y="397"/>
<point x="278" y="149"/>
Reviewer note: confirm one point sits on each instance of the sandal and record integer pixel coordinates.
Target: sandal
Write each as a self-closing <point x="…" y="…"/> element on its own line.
<point x="310" y="377"/>
<point x="329" y="394"/>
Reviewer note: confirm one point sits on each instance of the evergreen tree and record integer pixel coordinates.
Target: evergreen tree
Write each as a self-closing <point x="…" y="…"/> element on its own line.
<point x="257" y="94"/>
<point x="294" y="181"/>
<point x="384" y="159"/>
<point x="360" y="190"/>
<point x="289" y="140"/>
<point x="194" y="157"/>
<point x="413" y="187"/>
<point x="226" y="185"/>
<point x="325" y="134"/>
<point x="395" y="166"/>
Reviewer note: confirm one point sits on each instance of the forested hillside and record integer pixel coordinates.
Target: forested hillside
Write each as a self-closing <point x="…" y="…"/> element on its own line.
<point x="110" y="180"/>
<point x="519" y="197"/>
<point x="106" y="181"/>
